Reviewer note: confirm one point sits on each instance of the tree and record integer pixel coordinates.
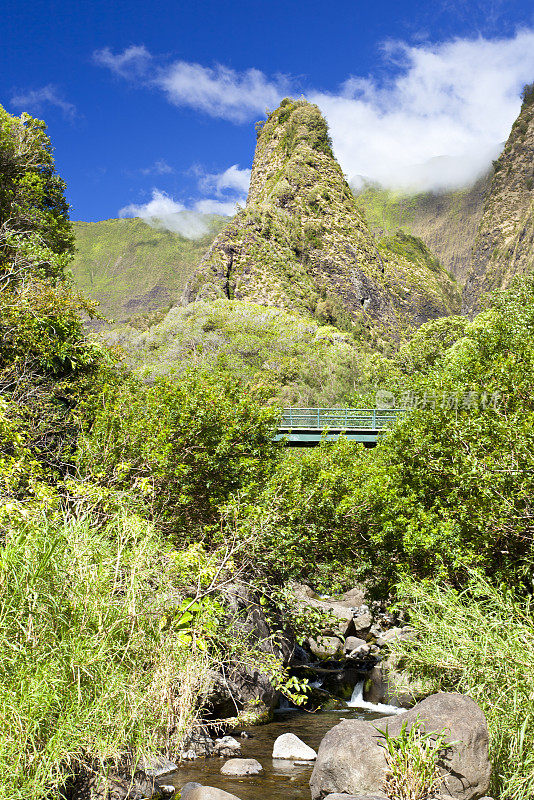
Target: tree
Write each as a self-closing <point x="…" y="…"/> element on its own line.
<point x="34" y="214"/>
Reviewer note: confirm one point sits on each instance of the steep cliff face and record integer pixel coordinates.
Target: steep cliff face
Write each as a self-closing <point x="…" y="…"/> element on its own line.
<point x="301" y="242"/>
<point x="504" y="246"/>
<point x="447" y="222"/>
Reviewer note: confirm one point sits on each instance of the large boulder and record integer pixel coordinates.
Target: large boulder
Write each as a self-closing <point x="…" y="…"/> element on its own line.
<point x="351" y="759"/>
<point x="325" y="646"/>
<point x="227" y="746"/>
<point x="290" y="747"/>
<point x="339" y="611"/>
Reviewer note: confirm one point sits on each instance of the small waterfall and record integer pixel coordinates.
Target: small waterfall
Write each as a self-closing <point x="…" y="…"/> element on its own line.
<point x="284" y="706"/>
<point x="357" y="701"/>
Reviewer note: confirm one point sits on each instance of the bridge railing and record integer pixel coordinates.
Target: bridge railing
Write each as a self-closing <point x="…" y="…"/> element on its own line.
<point x="339" y="418"/>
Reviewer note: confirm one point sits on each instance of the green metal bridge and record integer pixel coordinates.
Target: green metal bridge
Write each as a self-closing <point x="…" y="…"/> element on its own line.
<point x="306" y="427"/>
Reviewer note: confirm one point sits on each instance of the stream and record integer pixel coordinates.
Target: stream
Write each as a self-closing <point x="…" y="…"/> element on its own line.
<point x="280" y="780"/>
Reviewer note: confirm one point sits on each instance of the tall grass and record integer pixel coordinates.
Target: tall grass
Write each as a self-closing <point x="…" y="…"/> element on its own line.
<point x="87" y="669"/>
<point x="481" y="642"/>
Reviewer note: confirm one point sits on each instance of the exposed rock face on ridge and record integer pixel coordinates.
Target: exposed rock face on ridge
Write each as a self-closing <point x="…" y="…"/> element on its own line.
<point x="504" y="246"/>
<point x="301" y="242"/>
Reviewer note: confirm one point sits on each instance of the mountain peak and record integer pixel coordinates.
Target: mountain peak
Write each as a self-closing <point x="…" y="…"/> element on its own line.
<point x="302" y="243"/>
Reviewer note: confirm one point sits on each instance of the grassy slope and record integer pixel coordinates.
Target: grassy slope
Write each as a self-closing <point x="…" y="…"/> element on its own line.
<point x="132" y="268"/>
<point x="447" y="222"/>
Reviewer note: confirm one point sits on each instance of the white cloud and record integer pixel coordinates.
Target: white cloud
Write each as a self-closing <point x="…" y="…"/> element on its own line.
<point x="133" y="62"/>
<point x="164" y="212"/>
<point x="225" y="207"/>
<point x="159" y="167"/>
<point x="232" y="179"/>
<point x="436" y="122"/>
<point x="35" y="99"/>
<point x="221" y="92"/>
<point x="440" y="121"/>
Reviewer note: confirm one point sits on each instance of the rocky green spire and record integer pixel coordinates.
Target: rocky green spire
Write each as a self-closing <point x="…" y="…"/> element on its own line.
<point x="301" y="242"/>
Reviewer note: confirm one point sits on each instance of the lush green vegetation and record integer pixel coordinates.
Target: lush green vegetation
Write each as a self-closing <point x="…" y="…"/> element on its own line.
<point x="105" y="648"/>
<point x="87" y="668"/>
<point x="120" y="491"/>
<point x="301" y="360"/>
<point x="449" y="488"/>
<point x="184" y="447"/>
<point x="446" y="221"/>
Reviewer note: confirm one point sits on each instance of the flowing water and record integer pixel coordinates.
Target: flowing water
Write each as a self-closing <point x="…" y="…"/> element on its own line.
<point x="357" y="701"/>
<point x="280" y="780"/>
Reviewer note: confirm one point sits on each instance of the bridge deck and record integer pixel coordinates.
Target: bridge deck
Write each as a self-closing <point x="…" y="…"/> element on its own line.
<point x="306" y="427"/>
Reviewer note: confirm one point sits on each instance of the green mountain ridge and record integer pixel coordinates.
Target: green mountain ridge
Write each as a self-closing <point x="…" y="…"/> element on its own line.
<point x="504" y="245"/>
<point x="132" y="268"/>
<point x="446" y="221"/>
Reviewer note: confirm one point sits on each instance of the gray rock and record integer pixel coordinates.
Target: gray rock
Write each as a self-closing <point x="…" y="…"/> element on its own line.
<point x="394" y="634"/>
<point x="227" y="746"/>
<point x="156" y="767"/>
<point x="289" y="746"/>
<point x="241" y="766"/>
<point x="354" y="597"/>
<point x="400" y="687"/>
<point x="342" y="796"/>
<point x="375" y="687"/>
<point x="351" y="760"/>
<point x="352" y="643"/>
<point x="360" y="652"/>
<point x="361" y="623"/>
<point x="339" y="610"/>
<point x="326" y="646"/>
<point x="186" y="790"/>
<point x="199" y="792"/>
<point x="198" y="744"/>
<point x="167" y="790"/>
<point x="391" y="635"/>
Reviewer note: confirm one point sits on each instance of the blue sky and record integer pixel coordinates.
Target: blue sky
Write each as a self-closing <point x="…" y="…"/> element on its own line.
<point x="150" y="106"/>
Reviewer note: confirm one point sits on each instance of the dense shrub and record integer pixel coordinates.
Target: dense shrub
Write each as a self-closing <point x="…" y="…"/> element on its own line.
<point x="299" y="525"/>
<point x="185" y="446"/>
<point x="457" y="478"/>
<point x="450" y="486"/>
